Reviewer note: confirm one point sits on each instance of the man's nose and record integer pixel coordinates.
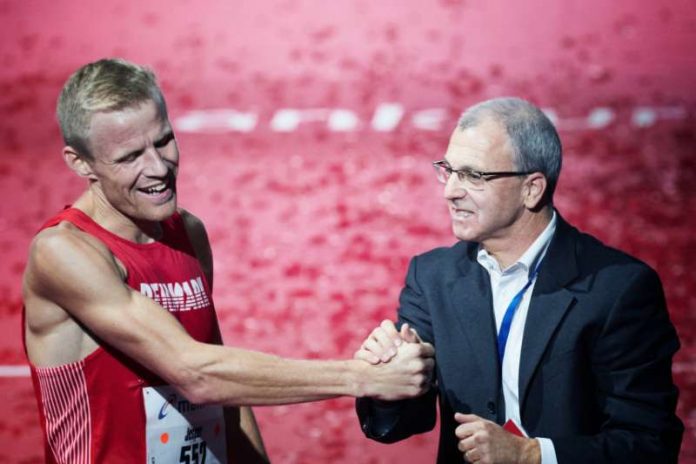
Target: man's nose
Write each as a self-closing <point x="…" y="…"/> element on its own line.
<point x="156" y="164"/>
<point x="454" y="188"/>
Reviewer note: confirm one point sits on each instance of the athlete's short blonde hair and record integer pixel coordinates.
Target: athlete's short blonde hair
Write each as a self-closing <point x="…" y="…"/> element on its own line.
<point x="105" y="85"/>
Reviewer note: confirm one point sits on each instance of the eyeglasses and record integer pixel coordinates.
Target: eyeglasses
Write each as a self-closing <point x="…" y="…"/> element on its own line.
<point x="470" y="177"/>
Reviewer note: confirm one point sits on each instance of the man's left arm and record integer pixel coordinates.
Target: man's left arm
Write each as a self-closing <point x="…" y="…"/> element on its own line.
<point x="632" y="362"/>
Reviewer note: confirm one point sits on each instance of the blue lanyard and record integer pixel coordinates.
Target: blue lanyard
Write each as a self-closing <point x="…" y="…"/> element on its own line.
<point x="510" y="313"/>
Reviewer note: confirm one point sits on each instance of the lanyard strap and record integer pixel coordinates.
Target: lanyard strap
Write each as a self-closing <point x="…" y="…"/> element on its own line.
<point x="510" y="314"/>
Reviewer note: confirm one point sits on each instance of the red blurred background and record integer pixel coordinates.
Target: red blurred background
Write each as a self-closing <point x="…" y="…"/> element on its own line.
<point x="307" y="128"/>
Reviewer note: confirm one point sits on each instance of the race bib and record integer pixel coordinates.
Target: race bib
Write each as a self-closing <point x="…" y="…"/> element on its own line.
<point x="178" y="431"/>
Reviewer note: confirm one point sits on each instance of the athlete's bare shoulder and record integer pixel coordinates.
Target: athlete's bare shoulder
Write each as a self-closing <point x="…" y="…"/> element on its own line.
<point x="200" y="242"/>
<point x="193" y="223"/>
<point x="58" y="248"/>
<point x="63" y="264"/>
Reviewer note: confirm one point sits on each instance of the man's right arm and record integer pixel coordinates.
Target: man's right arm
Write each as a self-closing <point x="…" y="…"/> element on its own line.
<point x="82" y="277"/>
<point x="390" y="421"/>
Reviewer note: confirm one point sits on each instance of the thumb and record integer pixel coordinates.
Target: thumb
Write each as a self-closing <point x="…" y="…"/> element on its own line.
<point x="408" y="334"/>
<point x="465" y="418"/>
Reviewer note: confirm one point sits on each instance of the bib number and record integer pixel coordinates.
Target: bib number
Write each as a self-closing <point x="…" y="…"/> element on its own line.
<point x="178" y="431"/>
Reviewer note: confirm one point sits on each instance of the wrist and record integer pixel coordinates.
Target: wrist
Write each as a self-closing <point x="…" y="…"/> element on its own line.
<point x="531" y="451"/>
<point x="358" y="378"/>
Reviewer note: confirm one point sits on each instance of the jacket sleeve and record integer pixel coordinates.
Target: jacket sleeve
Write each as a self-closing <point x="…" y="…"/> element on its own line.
<point x="632" y="362"/>
<point x="388" y="422"/>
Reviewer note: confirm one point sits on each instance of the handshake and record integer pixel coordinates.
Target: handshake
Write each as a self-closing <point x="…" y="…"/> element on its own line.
<point x="395" y="364"/>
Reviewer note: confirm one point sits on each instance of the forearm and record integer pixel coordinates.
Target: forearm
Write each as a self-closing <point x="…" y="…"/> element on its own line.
<point x="231" y="376"/>
<point x="211" y="373"/>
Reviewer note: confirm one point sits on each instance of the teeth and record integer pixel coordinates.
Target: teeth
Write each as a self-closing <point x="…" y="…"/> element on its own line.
<point x="462" y="213"/>
<point x="158" y="189"/>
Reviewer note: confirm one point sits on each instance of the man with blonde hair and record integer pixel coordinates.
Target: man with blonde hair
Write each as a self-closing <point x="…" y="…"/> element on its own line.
<point x="120" y="327"/>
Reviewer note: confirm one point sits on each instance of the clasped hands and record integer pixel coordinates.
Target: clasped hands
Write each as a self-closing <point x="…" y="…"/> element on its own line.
<point x="402" y="369"/>
<point x="480" y="440"/>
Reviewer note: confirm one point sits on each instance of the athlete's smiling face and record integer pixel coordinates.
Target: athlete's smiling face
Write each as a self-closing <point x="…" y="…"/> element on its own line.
<point x="135" y="161"/>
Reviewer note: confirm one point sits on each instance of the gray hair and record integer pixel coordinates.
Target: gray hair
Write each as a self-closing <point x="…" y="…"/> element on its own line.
<point x="105" y="85"/>
<point x="535" y="142"/>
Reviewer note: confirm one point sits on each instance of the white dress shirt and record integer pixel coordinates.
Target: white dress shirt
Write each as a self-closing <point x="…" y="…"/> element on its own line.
<point x="505" y="283"/>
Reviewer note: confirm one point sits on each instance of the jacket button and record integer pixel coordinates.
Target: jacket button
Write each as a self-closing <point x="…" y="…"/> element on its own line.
<point x="491" y="407"/>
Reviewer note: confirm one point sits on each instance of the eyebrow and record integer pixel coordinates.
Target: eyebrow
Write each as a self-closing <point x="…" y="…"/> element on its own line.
<point x="130" y="154"/>
<point x="164" y="139"/>
<point x="457" y="169"/>
<point x="167" y="137"/>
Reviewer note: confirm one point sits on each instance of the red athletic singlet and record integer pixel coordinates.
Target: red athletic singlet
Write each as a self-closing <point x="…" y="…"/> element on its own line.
<point x="92" y="411"/>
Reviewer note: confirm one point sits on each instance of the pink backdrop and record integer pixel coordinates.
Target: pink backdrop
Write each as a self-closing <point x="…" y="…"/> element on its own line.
<point x="307" y="128"/>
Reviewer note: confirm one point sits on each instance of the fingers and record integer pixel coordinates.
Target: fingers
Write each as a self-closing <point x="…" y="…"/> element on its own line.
<point x="380" y="347"/>
<point x="428" y="375"/>
<point x="470" y="447"/>
<point x="470" y="424"/>
<point x="367" y="356"/>
<point x="470" y="455"/>
<point x="420" y="367"/>
<point x="408" y="334"/>
<point x="419" y="356"/>
<point x="471" y="436"/>
<point x="466" y="418"/>
<point x="408" y="374"/>
<point x="382" y="343"/>
<point x="481" y="440"/>
<point x="389" y="334"/>
<point x="426" y="350"/>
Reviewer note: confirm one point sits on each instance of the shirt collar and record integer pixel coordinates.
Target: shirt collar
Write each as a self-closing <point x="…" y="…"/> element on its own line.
<point x="529" y="259"/>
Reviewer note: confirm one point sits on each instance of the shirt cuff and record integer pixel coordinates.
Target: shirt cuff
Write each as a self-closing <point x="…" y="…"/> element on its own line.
<point x="548" y="452"/>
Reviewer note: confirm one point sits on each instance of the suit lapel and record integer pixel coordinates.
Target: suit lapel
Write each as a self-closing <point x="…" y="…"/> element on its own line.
<point x="550" y="302"/>
<point x="470" y="296"/>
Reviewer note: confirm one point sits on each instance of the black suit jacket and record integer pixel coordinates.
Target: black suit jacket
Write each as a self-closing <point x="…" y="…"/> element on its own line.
<point x="595" y="369"/>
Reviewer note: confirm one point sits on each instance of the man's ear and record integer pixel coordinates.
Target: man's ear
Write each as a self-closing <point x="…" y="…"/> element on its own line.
<point x="535" y="187"/>
<point x="78" y="163"/>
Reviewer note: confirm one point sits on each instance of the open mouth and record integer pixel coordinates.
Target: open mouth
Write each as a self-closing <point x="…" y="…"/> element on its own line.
<point x="155" y="189"/>
<point x="159" y="191"/>
<point x="460" y="213"/>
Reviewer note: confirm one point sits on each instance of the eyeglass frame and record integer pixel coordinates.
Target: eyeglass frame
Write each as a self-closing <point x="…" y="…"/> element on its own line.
<point x="477" y="175"/>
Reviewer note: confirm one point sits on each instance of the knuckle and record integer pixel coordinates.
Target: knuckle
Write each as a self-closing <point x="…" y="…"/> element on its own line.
<point x="414" y="367"/>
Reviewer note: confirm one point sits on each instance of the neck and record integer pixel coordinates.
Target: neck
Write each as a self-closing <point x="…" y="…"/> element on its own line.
<point x="519" y="237"/>
<point x="93" y="203"/>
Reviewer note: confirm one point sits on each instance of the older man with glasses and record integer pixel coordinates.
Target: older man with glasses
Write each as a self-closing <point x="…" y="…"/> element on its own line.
<point x="550" y="346"/>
